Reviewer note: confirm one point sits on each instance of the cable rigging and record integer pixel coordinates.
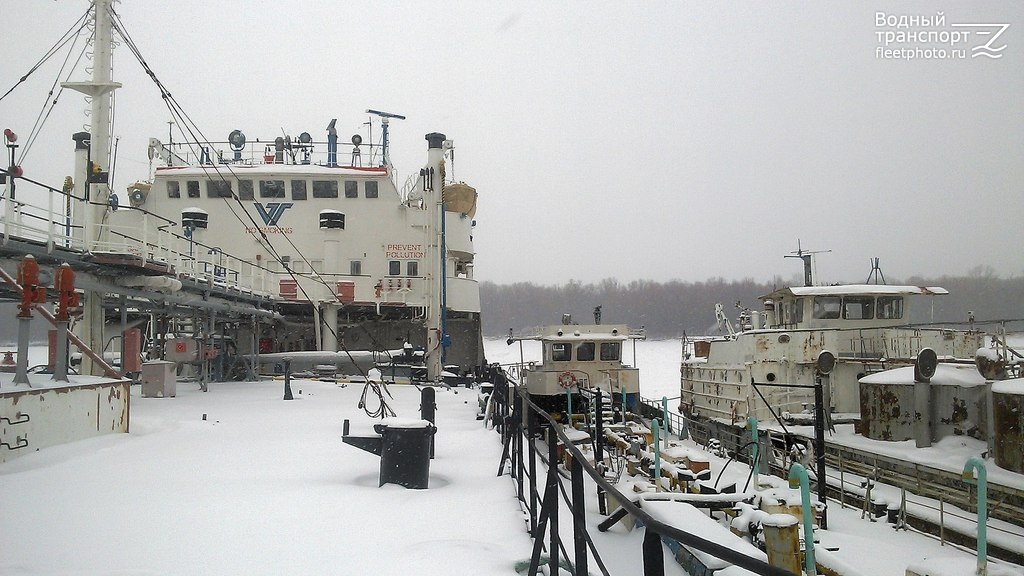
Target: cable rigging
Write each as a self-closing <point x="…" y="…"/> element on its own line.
<point x="195" y="135"/>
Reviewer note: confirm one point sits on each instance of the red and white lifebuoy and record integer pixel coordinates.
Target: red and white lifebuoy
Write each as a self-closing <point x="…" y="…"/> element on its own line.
<point x="567" y="380"/>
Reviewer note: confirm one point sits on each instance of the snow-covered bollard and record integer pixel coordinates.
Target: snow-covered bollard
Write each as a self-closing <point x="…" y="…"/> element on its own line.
<point x="404" y="449"/>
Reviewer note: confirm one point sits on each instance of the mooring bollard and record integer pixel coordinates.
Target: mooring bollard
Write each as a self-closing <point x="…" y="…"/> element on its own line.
<point x="288" y="379"/>
<point x="403" y="447"/>
<point x="427" y="409"/>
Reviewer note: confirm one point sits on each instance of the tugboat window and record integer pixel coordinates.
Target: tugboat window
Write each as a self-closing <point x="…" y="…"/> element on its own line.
<point x="298" y="189"/>
<point x="610" y="351"/>
<point x="585" y="352"/>
<point x="859" y="307"/>
<point x="827" y="307"/>
<point x="325" y="188"/>
<point x="355" y="267"/>
<point x="271" y="188"/>
<point x="245" y="190"/>
<point x="173" y="189"/>
<point x="193" y="188"/>
<point x="395" y="268"/>
<point x="412" y="268"/>
<point x="890" y="307"/>
<point x="793" y="311"/>
<point x="561" y="352"/>
<point x="218" y="189"/>
<point x="371" y="188"/>
<point x="351" y="189"/>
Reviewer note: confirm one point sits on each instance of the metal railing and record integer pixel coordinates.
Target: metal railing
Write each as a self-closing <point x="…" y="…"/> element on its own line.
<point x="521" y="452"/>
<point x="152" y="241"/>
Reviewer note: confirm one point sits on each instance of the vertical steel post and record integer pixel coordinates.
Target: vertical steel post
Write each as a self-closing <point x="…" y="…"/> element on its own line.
<point x="819" y="448"/>
<point x="655" y="427"/>
<point x="427" y="409"/>
<point x="288" y="379"/>
<point x="551" y="498"/>
<point x="654" y="556"/>
<point x="532" y="454"/>
<point x="568" y="403"/>
<point x="124" y="328"/>
<point x="752" y="423"/>
<point x="664" y="419"/>
<point x="602" y="504"/>
<point x="579" y="521"/>
<point x="517" y="441"/>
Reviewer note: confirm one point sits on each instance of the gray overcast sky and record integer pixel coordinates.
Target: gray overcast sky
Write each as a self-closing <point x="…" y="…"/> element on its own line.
<point x="629" y="140"/>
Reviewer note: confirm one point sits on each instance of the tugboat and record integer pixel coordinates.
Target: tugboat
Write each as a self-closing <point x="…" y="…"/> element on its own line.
<point x="579" y="359"/>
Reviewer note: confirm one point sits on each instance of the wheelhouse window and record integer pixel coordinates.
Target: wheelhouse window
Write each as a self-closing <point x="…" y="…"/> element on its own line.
<point x="371" y="188"/>
<point x="355" y="267"/>
<point x="173" y="189"/>
<point x="298" y="189"/>
<point x="561" y="352"/>
<point x="890" y="307"/>
<point x="193" y="188"/>
<point x="271" y="188"/>
<point x="792" y="311"/>
<point x="585" y="352"/>
<point x="218" y="189"/>
<point x="245" y="190"/>
<point x="351" y="189"/>
<point x="859" y="307"/>
<point x="395" y="268"/>
<point x="827" y="307"/>
<point x="610" y="351"/>
<point x="412" y="268"/>
<point x="325" y="188"/>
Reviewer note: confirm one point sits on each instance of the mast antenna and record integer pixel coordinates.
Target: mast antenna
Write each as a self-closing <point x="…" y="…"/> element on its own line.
<point x="805" y="255"/>
<point x="876" y="273"/>
<point x="384" y="117"/>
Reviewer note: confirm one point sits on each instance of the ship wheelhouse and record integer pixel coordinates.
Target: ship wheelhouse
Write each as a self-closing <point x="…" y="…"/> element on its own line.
<point x="579" y="359"/>
<point x="850" y="306"/>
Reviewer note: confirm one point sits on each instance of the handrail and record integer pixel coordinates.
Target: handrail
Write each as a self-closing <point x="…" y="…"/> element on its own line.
<point x="652" y="550"/>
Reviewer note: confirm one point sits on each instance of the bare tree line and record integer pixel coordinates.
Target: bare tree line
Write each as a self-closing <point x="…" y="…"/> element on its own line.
<point x="670" y="309"/>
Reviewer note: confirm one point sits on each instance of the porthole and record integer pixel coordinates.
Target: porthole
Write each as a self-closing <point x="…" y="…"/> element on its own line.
<point x="783" y="338"/>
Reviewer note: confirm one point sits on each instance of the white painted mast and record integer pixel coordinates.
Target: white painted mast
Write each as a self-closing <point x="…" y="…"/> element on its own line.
<point x="100" y="89"/>
<point x="433" y="191"/>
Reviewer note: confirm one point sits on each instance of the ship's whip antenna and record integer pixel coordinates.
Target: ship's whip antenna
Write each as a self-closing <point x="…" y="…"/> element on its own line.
<point x="805" y="255"/>
<point x="384" y="116"/>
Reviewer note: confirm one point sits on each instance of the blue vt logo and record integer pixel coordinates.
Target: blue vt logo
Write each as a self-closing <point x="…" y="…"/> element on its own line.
<point x="272" y="213"/>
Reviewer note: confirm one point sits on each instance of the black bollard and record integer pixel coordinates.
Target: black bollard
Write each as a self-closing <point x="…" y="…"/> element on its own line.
<point x="288" y="379"/>
<point x="427" y="409"/>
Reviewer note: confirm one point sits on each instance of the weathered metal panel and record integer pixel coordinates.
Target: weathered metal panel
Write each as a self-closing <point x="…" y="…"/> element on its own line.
<point x="31" y="419"/>
<point x="1009" y="421"/>
<point x="888" y="413"/>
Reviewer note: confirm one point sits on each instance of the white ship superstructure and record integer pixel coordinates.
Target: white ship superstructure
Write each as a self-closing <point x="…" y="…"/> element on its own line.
<point x="349" y="261"/>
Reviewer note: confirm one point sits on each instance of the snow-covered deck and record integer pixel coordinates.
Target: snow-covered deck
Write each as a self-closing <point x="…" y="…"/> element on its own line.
<point x="239" y="481"/>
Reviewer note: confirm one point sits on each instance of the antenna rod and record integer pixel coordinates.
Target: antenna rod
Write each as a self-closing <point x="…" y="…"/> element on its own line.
<point x="384" y="116"/>
<point x="805" y="255"/>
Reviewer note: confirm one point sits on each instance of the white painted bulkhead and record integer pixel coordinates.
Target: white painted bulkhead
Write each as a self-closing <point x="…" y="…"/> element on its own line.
<point x="382" y="248"/>
<point x="54" y="413"/>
